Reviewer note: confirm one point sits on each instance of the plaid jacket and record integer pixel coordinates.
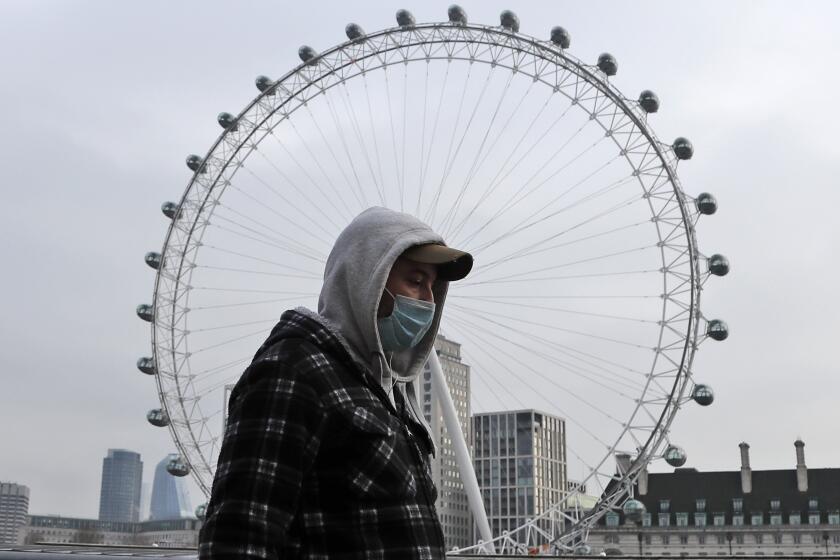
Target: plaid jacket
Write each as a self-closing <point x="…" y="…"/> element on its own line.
<point x="316" y="462"/>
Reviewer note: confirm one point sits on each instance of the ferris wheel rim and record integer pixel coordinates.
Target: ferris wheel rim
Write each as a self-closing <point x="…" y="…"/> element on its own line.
<point x="681" y="379"/>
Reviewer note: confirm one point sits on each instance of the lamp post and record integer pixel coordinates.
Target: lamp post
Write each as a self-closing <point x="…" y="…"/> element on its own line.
<point x="825" y="540"/>
<point x="729" y="540"/>
<point x="640" y="537"/>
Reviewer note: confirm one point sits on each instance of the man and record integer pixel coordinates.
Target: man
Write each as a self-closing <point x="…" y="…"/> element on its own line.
<point x="326" y="451"/>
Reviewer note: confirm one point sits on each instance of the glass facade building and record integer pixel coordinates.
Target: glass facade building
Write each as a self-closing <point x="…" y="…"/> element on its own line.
<point x="452" y="507"/>
<point x="122" y="480"/>
<point x="520" y="462"/>
<point x="170" y="497"/>
<point x="14" y="507"/>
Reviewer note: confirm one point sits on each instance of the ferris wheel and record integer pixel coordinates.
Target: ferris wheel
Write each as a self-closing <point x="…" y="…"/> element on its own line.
<point x="584" y="301"/>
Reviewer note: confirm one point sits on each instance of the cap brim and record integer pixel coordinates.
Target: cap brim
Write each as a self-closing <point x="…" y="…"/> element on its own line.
<point x="452" y="264"/>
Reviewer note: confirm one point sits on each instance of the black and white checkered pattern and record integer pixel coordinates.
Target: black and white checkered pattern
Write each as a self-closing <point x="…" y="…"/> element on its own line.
<point x="317" y="463"/>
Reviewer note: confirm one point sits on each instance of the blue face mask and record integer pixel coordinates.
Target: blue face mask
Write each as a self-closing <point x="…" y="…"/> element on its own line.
<point x="407" y="324"/>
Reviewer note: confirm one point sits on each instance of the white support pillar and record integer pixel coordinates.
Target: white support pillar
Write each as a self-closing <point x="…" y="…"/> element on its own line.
<point x="462" y="452"/>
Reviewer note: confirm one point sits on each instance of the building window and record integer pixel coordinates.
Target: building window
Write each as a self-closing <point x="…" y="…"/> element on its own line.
<point x="775" y="504"/>
<point x="775" y="519"/>
<point x="813" y="504"/>
<point x="794" y="518"/>
<point x="700" y="504"/>
<point x="612" y="519"/>
<point x="719" y="519"/>
<point x="777" y="538"/>
<point x="797" y="538"/>
<point x="835" y="539"/>
<point x="813" y="519"/>
<point x="757" y="518"/>
<point x="737" y="519"/>
<point x="664" y="519"/>
<point x="683" y="539"/>
<point x="682" y="519"/>
<point x="721" y="539"/>
<point x="816" y="539"/>
<point x="834" y="517"/>
<point x="648" y="539"/>
<point x="666" y="539"/>
<point x="701" y="539"/>
<point x="664" y="506"/>
<point x="759" y="538"/>
<point x="699" y="519"/>
<point x="739" y="538"/>
<point x="737" y="505"/>
<point x="646" y="519"/>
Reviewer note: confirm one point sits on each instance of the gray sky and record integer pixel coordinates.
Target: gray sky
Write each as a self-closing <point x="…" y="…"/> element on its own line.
<point x="103" y="100"/>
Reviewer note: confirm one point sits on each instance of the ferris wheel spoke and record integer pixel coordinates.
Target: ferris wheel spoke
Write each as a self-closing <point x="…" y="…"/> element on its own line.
<point x="397" y="164"/>
<point x="270" y="243"/>
<point x="250" y="219"/>
<point x="499" y="178"/>
<point x="226" y="342"/>
<point x="453" y="209"/>
<point x="455" y="230"/>
<point x="294" y="224"/>
<point x="526" y="276"/>
<point x="233" y="325"/>
<point x="430" y="211"/>
<point x="258" y="259"/>
<point x="424" y="170"/>
<point x="344" y="144"/>
<point x="277" y="242"/>
<point x="481" y="343"/>
<point x="259" y="272"/>
<point x="577" y="370"/>
<point x="535" y="247"/>
<point x="294" y="297"/>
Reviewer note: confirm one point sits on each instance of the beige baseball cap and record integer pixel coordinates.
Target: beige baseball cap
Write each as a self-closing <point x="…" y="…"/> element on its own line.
<point x="452" y="264"/>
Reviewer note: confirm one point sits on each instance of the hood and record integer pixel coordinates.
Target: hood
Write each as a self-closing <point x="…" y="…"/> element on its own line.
<point x="354" y="279"/>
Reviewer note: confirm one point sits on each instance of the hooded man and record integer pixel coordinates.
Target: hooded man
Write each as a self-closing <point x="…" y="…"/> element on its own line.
<point x="326" y="450"/>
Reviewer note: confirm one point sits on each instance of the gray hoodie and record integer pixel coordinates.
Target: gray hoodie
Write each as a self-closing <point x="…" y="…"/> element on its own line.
<point x="354" y="280"/>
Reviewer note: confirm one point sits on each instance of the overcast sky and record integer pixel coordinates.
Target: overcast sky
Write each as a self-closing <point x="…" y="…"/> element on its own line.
<point x="102" y="101"/>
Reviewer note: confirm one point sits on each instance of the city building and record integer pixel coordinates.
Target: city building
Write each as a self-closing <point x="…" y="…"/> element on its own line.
<point x="790" y="512"/>
<point x="14" y="507"/>
<point x="520" y="462"/>
<point x="122" y="481"/>
<point x="453" y="509"/>
<point x="172" y="533"/>
<point x="170" y="497"/>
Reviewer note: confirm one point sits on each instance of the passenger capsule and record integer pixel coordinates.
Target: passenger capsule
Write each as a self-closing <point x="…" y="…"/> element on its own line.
<point x="510" y="21"/>
<point x="706" y="204"/>
<point x="146" y="364"/>
<point x="152" y="259"/>
<point x="226" y="121"/>
<point x="158" y="417"/>
<point x="405" y="18"/>
<point x="675" y="456"/>
<point x="717" y="330"/>
<point x="308" y="54"/>
<point x="195" y="163"/>
<point x="169" y="209"/>
<point x="457" y="14"/>
<point x="146" y="312"/>
<point x="354" y="32"/>
<point x="177" y="466"/>
<point x="607" y="64"/>
<point x="683" y="148"/>
<point x="649" y="101"/>
<point x="583" y="550"/>
<point x="633" y="510"/>
<point x="201" y="511"/>
<point x="561" y="37"/>
<point x="718" y="265"/>
<point x="264" y="83"/>
<point x="703" y="395"/>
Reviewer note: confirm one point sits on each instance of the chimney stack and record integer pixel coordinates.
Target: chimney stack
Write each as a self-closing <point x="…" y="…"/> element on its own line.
<point x="643" y="482"/>
<point x="746" y="472"/>
<point x="801" y="469"/>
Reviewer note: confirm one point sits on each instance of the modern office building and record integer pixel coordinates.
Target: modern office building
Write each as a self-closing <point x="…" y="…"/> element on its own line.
<point x="520" y="462"/>
<point x="452" y="506"/>
<point x="791" y="512"/>
<point x="14" y="507"/>
<point x="170" y="497"/>
<point x="122" y="481"/>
